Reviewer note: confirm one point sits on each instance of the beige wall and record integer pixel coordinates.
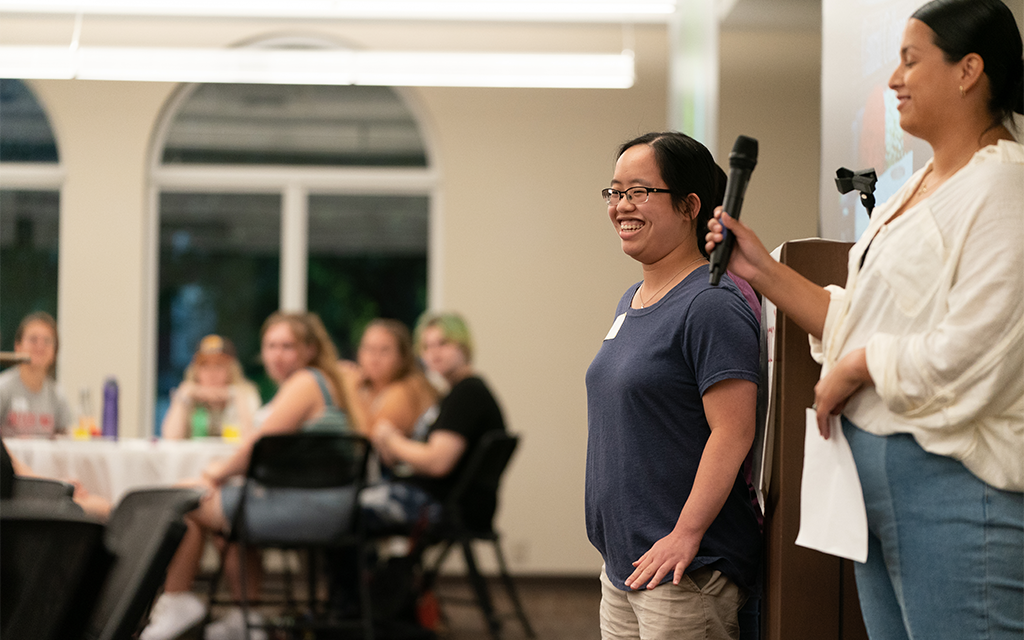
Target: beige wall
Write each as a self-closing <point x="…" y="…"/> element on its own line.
<point x="771" y="90"/>
<point x="103" y="131"/>
<point x="526" y="250"/>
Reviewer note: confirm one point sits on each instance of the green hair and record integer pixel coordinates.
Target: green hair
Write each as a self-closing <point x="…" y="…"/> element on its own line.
<point x="453" y="327"/>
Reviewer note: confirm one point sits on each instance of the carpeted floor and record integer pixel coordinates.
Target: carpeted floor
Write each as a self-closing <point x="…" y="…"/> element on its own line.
<point x="558" y="609"/>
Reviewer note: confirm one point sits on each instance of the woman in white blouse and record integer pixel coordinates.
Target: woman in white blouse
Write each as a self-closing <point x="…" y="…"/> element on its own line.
<point x="923" y="349"/>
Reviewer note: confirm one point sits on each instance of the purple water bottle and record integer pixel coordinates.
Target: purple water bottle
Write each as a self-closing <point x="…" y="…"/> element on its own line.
<point x="110" y="409"/>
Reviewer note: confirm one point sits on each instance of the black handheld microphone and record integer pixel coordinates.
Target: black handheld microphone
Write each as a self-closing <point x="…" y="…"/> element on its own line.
<point x="741" y="164"/>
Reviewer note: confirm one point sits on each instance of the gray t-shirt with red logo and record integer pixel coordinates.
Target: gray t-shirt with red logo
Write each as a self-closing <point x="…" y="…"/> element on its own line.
<point x="24" y="413"/>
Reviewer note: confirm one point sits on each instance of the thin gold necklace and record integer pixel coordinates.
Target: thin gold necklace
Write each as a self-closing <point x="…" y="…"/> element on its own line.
<point x="639" y="291"/>
<point x="924" y="182"/>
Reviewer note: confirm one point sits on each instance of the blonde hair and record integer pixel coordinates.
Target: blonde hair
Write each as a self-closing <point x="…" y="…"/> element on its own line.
<point x="308" y="329"/>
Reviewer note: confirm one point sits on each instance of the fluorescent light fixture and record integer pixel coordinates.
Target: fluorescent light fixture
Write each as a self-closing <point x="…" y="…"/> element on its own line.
<point x="320" y="66"/>
<point x="632" y="11"/>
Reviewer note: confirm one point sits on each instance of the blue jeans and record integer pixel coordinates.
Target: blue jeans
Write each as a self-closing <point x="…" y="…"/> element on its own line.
<point x="393" y="504"/>
<point x="945" y="550"/>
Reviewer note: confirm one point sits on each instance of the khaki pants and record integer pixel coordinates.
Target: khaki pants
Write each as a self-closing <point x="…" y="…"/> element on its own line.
<point x="703" y="606"/>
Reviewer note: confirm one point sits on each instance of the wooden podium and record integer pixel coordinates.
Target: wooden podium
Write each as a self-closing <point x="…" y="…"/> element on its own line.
<point x="807" y="595"/>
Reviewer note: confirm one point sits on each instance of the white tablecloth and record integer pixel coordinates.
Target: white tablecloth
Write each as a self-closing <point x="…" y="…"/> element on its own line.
<point x="111" y="469"/>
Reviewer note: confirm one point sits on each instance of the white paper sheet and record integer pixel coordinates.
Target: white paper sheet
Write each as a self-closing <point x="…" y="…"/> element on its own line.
<point x="764" y="436"/>
<point x="832" y="515"/>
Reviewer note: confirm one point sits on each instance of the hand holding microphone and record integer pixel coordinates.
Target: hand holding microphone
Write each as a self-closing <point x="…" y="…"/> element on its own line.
<point x="741" y="164"/>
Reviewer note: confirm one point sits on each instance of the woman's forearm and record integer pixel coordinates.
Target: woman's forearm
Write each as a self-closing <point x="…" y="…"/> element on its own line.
<point x="803" y="301"/>
<point x="719" y="465"/>
<point x="174" y="426"/>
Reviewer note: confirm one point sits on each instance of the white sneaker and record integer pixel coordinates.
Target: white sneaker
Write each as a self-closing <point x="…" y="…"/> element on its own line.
<point x="230" y="627"/>
<point x="174" y="614"/>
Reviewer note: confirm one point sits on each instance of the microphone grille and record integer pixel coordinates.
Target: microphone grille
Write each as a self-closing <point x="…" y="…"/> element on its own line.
<point x="744" y="153"/>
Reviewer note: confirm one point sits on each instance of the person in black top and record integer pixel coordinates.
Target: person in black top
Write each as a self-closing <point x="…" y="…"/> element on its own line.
<point x="426" y="471"/>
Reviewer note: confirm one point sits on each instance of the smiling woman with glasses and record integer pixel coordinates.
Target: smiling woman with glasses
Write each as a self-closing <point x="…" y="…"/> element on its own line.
<point x="671" y="397"/>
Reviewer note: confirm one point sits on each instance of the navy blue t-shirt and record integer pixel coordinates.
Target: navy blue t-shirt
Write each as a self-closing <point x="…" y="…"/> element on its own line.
<point x="647" y="429"/>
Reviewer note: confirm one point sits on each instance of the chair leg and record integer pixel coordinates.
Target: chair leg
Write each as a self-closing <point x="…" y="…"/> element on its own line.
<point x="430" y="575"/>
<point x="289" y="580"/>
<point x="311" y="575"/>
<point x="245" y="591"/>
<point x="215" y="583"/>
<point x="365" y="601"/>
<point x="483" y="594"/>
<point x="510" y="589"/>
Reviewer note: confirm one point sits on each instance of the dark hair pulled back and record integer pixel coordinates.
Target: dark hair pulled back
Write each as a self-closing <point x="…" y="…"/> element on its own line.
<point x="987" y="28"/>
<point x="686" y="167"/>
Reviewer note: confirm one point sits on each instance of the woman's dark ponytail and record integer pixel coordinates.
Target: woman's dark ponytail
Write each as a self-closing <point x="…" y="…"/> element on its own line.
<point x="1019" y="107"/>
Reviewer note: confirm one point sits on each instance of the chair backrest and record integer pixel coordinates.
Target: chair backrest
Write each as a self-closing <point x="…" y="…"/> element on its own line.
<point x="480" y="480"/>
<point x="49" y="496"/>
<point x="319" y="474"/>
<point x="52" y="563"/>
<point x="6" y="472"/>
<point x="42" y="488"/>
<point x="309" y="460"/>
<point x="143" y="533"/>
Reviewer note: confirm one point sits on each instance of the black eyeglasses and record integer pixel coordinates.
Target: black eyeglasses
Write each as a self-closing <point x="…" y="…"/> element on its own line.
<point x="634" y="195"/>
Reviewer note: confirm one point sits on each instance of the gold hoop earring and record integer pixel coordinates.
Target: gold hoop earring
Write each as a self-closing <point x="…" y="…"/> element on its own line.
<point x="963" y="94"/>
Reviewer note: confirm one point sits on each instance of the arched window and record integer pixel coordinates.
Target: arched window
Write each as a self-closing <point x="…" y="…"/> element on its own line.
<point x="296" y="197"/>
<point x="29" y="209"/>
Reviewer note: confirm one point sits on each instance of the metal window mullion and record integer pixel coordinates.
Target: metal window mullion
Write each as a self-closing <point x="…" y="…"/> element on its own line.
<point x="294" y="247"/>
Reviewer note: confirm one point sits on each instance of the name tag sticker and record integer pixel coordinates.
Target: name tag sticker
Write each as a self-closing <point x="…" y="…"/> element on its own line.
<point x="614" y="331"/>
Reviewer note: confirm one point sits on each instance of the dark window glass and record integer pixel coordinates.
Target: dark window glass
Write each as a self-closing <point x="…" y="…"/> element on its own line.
<point x="219" y="273"/>
<point x="29" y="233"/>
<point x="367" y="259"/>
<point x="25" y="134"/>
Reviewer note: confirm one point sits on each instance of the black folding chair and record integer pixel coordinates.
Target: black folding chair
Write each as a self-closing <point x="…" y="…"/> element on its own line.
<point x="50" y="496"/>
<point x="143" y="534"/>
<point x="52" y="563"/>
<point x="6" y="472"/>
<point x="459" y="526"/>
<point x="25" y="487"/>
<point x="289" y="467"/>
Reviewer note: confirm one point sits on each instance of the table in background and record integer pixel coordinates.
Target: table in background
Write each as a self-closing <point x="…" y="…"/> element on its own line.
<point x="111" y="469"/>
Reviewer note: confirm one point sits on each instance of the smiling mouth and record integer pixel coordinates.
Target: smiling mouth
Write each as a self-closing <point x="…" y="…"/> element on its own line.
<point x="631" y="225"/>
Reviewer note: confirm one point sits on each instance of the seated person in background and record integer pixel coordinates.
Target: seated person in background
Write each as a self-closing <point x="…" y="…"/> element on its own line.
<point x="94" y="505"/>
<point x="297" y="354"/>
<point x="468" y="411"/>
<point x="214" y="394"/>
<point x="386" y="383"/>
<point x="31" y="402"/>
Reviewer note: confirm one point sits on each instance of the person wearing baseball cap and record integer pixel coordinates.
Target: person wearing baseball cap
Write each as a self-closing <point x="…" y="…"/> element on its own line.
<point x="215" y="398"/>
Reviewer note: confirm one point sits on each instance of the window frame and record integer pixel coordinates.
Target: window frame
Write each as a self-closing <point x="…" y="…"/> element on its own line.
<point x="295" y="185"/>
<point x="40" y="176"/>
